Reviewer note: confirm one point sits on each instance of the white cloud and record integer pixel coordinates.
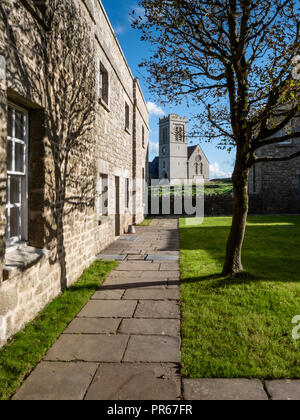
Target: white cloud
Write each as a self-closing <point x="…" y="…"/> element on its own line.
<point x="216" y="171"/>
<point x="153" y="148"/>
<point x="154" y="109"/>
<point x="119" y="29"/>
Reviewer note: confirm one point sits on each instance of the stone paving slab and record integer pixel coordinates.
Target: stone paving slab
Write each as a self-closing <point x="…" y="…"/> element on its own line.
<point x="135" y="382"/>
<point x="88" y="348"/>
<point x="107" y="257"/>
<point x="108" y="309"/>
<point x="136" y="257"/>
<point x="137" y="266"/>
<point x="169" y="267"/>
<point x="161" y="275"/>
<point x="284" y="390"/>
<point x="151" y="327"/>
<point x="158" y="309"/>
<point x="223" y="389"/>
<point x="173" y="284"/>
<point x="151" y="294"/>
<point x="127" y="239"/>
<point x="126" y="275"/>
<point x="108" y="294"/>
<point x="128" y="284"/>
<point x="57" y="381"/>
<point x="93" y="326"/>
<point x="162" y="258"/>
<point x="153" y="349"/>
<point x="167" y="253"/>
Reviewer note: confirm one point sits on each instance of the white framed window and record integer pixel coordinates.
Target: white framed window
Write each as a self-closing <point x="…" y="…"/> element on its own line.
<point x="103" y="84"/>
<point x="126" y="193"/>
<point x="17" y="176"/>
<point x="143" y="136"/>
<point x="103" y="195"/>
<point x="127" y="118"/>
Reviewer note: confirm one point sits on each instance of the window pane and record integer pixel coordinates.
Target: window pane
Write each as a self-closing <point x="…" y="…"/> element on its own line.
<point x="10" y="122"/>
<point x="14" y="190"/>
<point x="9" y="155"/>
<point x="19" y="153"/>
<point x="19" y="126"/>
<point x="14" y="222"/>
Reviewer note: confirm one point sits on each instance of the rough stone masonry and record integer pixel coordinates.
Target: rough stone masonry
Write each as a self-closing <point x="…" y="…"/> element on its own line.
<point x="73" y="149"/>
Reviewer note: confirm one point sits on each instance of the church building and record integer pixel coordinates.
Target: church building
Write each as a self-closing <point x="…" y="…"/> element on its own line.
<point x="177" y="161"/>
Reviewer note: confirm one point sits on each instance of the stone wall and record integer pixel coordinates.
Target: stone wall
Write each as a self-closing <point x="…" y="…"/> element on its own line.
<point x="274" y="187"/>
<point x="52" y="70"/>
<point x="3" y="112"/>
<point x="214" y="205"/>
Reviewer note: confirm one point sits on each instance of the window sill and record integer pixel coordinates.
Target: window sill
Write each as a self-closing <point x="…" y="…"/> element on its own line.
<point x="104" y="104"/>
<point x="21" y="259"/>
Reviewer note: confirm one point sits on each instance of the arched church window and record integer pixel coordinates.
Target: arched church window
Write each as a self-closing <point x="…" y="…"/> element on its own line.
<point x="179" y="133"/>
<point x="201" y="168"/>
<point x="164" y="164"/>
<point x="165" y="135"/>
<point x="196" y="168"/>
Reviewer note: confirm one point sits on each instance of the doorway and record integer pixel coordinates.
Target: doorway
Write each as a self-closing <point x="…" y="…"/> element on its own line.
<point x="117" y="207"/>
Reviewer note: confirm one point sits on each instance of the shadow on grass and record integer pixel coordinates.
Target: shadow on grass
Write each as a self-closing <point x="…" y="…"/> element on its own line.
<point x="269" y="252"/>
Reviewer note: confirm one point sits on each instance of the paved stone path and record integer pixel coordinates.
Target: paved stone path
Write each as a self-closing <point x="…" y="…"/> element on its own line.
<point x="125" y="343"/>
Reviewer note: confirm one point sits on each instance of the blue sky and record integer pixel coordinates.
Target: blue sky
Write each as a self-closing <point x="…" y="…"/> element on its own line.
<point x="134" y="50"/>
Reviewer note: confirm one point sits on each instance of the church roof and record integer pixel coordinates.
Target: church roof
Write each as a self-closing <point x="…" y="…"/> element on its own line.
<point x="191" y="150"/>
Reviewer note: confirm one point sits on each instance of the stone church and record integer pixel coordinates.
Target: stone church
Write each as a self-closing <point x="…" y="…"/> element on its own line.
<point x="177" y="162"/>
<point x="73" y="149"/>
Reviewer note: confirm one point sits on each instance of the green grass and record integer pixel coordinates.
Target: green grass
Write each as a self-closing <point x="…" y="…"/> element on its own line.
<point x="146" y="222"/>
<point x="27" y="347"/>
<point x="210" y="188"/>
<point x="218" y="188"/>
<point x="241" y="327"/>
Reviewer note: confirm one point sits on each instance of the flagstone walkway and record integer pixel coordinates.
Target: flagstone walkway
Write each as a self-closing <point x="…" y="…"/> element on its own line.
<point x="125" y="343"/>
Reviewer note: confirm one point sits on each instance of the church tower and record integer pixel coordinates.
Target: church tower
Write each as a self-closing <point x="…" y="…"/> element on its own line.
<point x="173" y="148"/>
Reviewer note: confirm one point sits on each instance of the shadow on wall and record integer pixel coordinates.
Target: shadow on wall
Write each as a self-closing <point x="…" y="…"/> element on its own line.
<point x="63" y="81"/>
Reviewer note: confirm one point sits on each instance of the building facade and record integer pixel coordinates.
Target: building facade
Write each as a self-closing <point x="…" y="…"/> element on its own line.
<point x="73" y="149"/>
<point x="274" y="187"/>
<point x="177" y="161"/>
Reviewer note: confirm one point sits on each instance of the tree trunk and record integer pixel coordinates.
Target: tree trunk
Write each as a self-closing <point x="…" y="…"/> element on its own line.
<point x="233" y="262"/>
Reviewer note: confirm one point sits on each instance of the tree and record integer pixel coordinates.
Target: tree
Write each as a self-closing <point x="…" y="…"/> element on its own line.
<point x="234" y="58"/>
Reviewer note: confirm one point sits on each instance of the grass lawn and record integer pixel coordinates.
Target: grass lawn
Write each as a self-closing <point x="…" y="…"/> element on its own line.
<point x="210" y="188"/>
<point x="218" y="188"/>
<point x="27" y="347"/>
<point x="241" y="327"/>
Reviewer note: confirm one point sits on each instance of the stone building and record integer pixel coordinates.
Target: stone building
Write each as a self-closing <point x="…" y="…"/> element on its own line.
<point x="274" y="187"/>
<point x="73" y="149"/>
<point x="177" y="161"/>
